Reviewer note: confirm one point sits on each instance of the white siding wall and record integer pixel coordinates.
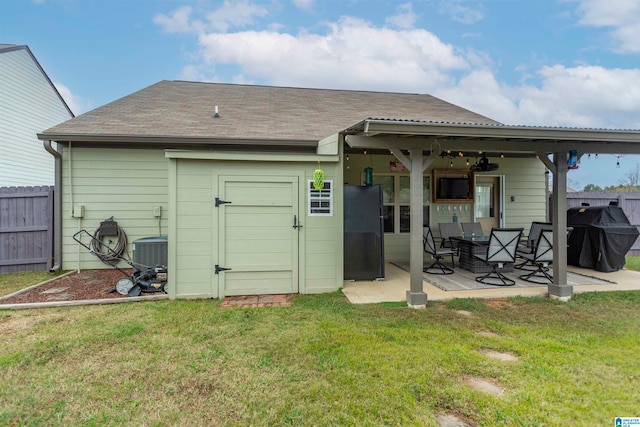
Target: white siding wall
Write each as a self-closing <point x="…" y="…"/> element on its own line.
<point x="123" y="183"/>
<point x="28" y="105"/>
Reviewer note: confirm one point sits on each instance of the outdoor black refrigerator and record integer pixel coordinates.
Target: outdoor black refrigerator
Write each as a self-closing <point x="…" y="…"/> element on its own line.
<point x="363" y="233"/>
<point x="601" y="237"/>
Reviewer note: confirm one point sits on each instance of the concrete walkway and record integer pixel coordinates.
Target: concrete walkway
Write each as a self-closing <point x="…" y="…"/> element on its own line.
<point x="396" y="285"/>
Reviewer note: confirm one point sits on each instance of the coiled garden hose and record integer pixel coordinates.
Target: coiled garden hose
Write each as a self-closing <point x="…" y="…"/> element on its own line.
<point x="105" y="252"/>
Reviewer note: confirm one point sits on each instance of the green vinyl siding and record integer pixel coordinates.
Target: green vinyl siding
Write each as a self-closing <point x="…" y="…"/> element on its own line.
<point x="197" y="184"/>
<point x="193" y="269"/>
<point x="125" y="184"/>
<point x="526" y="181"/>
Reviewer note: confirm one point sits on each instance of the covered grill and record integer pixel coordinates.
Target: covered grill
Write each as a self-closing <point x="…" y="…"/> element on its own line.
<point x="601" y="237"/>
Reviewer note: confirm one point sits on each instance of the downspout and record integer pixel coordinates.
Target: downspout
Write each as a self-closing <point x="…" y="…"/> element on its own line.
<point x="57" y="207"/>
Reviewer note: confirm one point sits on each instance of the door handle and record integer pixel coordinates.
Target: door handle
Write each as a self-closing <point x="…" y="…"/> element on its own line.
<point x="295" y="223"/>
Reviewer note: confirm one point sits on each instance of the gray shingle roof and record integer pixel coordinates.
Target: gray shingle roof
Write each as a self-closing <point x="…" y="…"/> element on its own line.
<point x="178" y="109"/>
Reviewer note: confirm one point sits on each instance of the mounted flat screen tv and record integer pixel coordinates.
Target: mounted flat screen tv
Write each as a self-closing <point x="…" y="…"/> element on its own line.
<point x="453" y="189"/>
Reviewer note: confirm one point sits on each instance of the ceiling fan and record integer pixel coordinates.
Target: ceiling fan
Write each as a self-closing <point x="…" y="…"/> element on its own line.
<point x="484" y="165"/>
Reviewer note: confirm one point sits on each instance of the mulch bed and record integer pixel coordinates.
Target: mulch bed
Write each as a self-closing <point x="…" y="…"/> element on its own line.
<point x="100" y="284"/>
<point x="86" y="285"/>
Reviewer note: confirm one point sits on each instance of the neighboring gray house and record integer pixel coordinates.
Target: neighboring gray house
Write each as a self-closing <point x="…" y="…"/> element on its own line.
<point x="29" y="102"/>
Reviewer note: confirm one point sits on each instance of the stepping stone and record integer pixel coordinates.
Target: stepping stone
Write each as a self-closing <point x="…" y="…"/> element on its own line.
<point x="448" y="420"/>
<point x="500" y="356"/>
<point x="484" y="385"/>
<point x="487" y="334"/>
<point x="464" y="313"/>
<point x="59" y="297"/>
<point x="55" y="290"/>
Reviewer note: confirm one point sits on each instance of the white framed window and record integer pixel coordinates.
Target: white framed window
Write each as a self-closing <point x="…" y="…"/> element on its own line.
<point x="320" y="201"/>
<point x="396" y="198"/>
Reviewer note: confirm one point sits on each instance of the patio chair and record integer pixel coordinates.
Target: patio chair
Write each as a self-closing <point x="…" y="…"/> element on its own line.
<point x="541" y="257"/>
<point x="447" y="231"/>
<point x="503" y="243"/>
<point x="529" y="246"/>
<point x="472" y="229"/>
<point x="437" y="253"/>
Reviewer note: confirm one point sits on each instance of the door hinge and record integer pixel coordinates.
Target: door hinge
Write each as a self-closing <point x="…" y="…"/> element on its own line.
<point x="221" y="202"/>
<point x="219" y="269"/>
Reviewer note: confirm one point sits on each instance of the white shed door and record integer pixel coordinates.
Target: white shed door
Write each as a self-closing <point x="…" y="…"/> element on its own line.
<point x="257" y="240"/>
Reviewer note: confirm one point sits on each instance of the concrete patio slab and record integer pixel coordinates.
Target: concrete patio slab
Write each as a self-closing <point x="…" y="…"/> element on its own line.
<point x="397" y="283"/>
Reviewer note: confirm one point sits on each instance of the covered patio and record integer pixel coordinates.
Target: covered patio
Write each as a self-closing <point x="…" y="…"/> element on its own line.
<point x="416" y="144"/>
<point x="397" y="283"/>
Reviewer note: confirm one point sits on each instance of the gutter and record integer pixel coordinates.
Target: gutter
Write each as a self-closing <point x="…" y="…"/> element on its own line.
<point x="57" y="207"/>
<point x="171" y="141"/>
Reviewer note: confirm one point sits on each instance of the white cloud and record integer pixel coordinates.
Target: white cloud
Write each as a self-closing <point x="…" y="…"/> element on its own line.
<point x="622" y="16"/>
<point x="303" y="4"/>
<point x="586" y="96"/>
<point x="77" y="104"/>
<point x="405" y="18"/>
<point x="352" y="54"/>
<point x="231" y="14"/>
<point x="234" y="14"/>
<point x="461" y="13"/>
<point x="583" y="96"/>
<point x="177" y="21"/>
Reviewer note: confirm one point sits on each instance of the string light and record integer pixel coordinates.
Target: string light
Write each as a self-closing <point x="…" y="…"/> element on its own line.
<point x="467" y="162"/>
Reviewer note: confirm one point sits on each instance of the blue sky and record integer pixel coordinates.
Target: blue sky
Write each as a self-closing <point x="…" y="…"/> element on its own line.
<point x="544" y="62"/>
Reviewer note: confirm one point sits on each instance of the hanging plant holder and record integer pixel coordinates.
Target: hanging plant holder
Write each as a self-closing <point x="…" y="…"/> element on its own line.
<point x="318" y="179"/>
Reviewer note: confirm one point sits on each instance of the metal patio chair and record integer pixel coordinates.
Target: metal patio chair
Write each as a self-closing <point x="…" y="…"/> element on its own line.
<point x="503" y="243"/>
<point x="437" y="253"/>
<point x="541" y="257"/>
<point x="472" y="229"/>
<point x="447" y="231"/>
<point x="529" y="246"/>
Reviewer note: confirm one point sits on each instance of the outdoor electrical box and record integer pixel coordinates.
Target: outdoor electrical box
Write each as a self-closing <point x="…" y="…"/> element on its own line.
<point x="78" y="211"/>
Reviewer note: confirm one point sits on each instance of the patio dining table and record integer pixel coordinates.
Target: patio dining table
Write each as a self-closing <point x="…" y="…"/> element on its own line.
<point x="470" y="246"/>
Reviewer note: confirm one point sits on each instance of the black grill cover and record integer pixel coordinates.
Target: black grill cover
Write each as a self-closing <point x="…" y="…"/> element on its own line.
<point x="601" y="237"/>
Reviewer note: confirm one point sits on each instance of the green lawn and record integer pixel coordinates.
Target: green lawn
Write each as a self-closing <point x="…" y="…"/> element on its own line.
<point x="322" y="361"/>
<point x="13" y="282"/>
<point x="632" y="263"/>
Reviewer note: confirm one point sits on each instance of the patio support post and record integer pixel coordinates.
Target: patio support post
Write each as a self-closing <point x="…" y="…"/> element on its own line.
<point x="416" y="297"/>
<point x="560" y="289"/>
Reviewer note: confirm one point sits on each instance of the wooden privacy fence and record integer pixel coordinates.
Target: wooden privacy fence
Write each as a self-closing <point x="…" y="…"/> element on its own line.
<point x="629" y="202"/>
<point x="26" y="228"/>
